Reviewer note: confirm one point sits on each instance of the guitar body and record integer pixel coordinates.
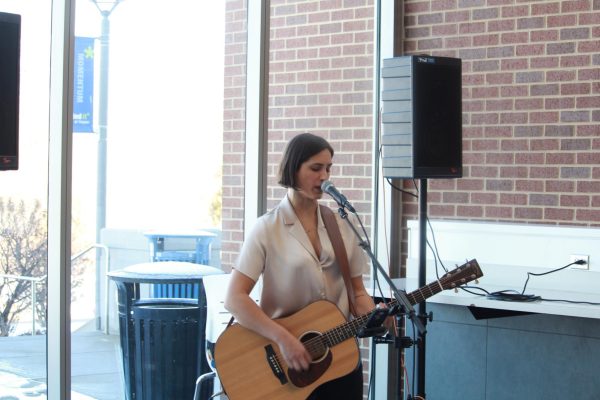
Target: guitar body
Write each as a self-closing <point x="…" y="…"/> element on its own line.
<point x="251" y="367"/>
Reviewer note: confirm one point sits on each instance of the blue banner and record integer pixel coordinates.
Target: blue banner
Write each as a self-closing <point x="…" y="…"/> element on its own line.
<point x="83" y="85"/>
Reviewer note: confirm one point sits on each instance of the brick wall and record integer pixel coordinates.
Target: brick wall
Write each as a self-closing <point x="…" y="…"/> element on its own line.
<point x="320" y="81"/>
<point x="234" y="119"/>
<point x="531" y="103"/>
<point x="531" y="99"/>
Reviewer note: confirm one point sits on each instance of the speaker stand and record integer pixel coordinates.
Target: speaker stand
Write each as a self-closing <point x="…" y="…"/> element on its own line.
<point x="422" y="307"/>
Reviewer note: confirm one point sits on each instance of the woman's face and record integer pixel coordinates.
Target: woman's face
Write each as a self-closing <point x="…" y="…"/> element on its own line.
<point x="312" y="173"/>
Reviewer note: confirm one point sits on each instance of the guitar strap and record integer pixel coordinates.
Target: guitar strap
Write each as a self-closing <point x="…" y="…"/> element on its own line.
<point x="333" y="230"/>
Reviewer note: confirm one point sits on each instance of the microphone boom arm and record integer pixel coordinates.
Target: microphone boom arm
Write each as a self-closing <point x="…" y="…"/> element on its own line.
<point x="400" y="295"/>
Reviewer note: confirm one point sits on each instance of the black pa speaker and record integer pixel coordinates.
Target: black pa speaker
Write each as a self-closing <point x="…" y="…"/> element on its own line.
<point x="10" y="44"/>
<point x="421" y="117"/>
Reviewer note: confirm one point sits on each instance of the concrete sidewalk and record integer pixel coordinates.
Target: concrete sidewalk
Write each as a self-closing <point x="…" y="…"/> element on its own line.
<point x="96" y="367"/>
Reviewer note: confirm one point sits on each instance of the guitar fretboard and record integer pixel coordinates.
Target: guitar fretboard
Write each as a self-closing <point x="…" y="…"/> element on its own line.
<point x="332" y="337"/>
<point x="317" y="345"/>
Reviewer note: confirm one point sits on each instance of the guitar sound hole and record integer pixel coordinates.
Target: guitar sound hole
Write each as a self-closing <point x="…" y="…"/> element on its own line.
<point x="315" y="346"/>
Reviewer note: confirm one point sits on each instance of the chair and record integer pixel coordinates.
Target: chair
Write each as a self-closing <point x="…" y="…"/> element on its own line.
<point x="217" y="319"/>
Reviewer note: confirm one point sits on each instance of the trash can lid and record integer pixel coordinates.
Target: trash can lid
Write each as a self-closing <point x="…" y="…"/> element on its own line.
<point x="189" y="233"/>
<point x="164" y="272"/>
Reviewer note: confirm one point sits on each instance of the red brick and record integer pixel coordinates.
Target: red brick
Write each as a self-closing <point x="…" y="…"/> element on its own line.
<point x="486" y="40"/>
<point x="570" y="89"/>
<point x="530" y="50"/>
<point x="442" y="210"/>
<point x="560" y="76"/>
<point x="574" y="6"/>
<point x="513" y="172"/>
<point x="575" y="61"/>
<point x="469" y="184"/>
<point x="529" y="185"/>
<point x="544" y="62"/>
<point x="588" y="216"/>
<point x="513" y="118"/>
<point x="560" y="158"/>
<point x="588" y="187"/>
<point x="515" y="11"/>
<point x="549" y="35"/>
<point x="499" y="158"/>
<point x="559" y="103"/>
<point x="469" y="211"/>
<point x="560" y="186"/>
<point x="554" y="21"/>
<point x="484" y="198"/>
<point x="543" y="117"/>
<point x="498" y="212"/>
<point x="543" y="199"/>
<point x="544" y="172"/>
<point x="546" y="7"/>
<point x="529" y="104"/>
<point x="528" y="213"/>
<point x="588" y="158"/>
<point x="574" y="201"/>
<point x="559" y="214"/>
<point x="497" y="131"/>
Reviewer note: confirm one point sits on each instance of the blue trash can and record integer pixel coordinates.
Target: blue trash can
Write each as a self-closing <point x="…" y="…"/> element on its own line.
<point x="192" y="246"/>
<point x="180" y="245"/>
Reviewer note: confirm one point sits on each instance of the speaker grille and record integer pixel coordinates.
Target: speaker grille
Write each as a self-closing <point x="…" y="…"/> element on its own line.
<point x="422" y="117"/>
<point x="10" y="37"/>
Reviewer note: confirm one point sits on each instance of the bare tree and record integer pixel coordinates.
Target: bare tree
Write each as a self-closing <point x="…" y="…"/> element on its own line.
<point x="23" y="253"/>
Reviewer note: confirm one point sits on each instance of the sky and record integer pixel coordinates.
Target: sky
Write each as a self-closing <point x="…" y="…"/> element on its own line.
<point x="164" y="115"/>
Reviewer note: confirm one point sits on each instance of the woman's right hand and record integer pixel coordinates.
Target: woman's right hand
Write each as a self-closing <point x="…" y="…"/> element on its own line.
<point x="249" y="314"/>
<point x="294" y="353"/>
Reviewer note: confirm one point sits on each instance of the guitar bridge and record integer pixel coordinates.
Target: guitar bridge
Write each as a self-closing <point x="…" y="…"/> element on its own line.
<point x="275" y="365"/>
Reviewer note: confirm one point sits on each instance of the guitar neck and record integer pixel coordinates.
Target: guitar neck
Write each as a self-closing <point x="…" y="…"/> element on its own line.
<point x="452" y="279"/>
<point x="350" y="329"/>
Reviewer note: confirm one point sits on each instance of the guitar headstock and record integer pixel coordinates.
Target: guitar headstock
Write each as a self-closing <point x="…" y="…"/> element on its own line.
<point x="466" y="273"/>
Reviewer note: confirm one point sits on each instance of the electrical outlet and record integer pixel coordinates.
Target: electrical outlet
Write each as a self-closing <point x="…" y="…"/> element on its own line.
<point x="576" y="257"/>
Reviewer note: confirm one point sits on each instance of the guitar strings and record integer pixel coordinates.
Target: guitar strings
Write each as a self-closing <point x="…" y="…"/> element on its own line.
<point x="318" y="345"/>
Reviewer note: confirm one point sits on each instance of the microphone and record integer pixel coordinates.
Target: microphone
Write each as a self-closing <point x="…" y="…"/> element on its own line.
<point x="339" y="198"/>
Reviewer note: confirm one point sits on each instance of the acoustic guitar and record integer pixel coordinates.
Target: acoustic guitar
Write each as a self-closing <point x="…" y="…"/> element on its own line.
<point x="250" y="366"/>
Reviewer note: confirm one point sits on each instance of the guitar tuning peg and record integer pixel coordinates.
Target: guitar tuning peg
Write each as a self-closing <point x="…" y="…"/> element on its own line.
<point x="455" y="290"/>
<point x="477" y="281"/>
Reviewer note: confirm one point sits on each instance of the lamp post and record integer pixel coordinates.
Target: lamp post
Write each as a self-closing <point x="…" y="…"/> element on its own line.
<point x="105" y="8"/>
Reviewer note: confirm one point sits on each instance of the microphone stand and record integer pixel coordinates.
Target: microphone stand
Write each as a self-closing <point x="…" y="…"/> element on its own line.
<point x="400" y="296"/>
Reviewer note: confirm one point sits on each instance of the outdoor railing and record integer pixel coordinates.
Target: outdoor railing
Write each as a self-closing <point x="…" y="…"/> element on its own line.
<point x="36" y="279"/>
<point x="106" y="264"/>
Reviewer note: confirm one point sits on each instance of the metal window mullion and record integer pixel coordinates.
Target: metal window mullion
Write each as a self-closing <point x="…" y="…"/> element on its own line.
<point x="58" y="356"/>
<point x="257" y="94"/>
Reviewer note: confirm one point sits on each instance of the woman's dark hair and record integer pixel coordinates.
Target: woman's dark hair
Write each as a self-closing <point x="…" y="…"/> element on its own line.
<point x="298" y="150"/>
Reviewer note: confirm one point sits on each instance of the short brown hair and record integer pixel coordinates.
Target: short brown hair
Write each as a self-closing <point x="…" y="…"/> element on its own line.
<point x="299" y="149"/>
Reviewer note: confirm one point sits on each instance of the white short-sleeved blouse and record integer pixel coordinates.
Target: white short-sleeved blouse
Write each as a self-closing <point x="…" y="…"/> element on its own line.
<point x="293" y="276"/>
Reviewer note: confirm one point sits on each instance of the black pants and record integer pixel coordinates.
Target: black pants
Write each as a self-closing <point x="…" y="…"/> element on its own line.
<point x="348" y="387"/>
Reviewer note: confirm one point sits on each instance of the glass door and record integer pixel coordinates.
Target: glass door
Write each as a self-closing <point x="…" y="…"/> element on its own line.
<point x="24" y="86"/>
<point x="147" y="160"/>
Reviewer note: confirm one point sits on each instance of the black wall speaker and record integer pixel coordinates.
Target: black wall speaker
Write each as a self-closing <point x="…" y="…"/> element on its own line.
<point x="10" y="45"/>
<point x="422" y="117"/>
